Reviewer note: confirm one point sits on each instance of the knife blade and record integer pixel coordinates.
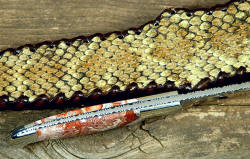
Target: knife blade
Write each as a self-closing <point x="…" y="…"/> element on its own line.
<point x="108" y="116"/>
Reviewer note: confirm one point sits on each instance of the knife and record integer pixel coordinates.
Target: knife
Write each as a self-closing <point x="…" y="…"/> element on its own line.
<point x="107" y="116"/>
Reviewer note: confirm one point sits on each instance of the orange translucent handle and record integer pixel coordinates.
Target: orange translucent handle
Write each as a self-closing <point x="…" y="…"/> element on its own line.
<point x="87" y="126"/>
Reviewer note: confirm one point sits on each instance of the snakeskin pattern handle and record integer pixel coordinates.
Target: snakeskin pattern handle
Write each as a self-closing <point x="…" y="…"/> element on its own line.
<point x="181" y="50"/>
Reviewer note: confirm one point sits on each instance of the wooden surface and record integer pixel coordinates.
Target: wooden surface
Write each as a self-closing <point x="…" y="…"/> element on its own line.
<point x="216" y="128"/>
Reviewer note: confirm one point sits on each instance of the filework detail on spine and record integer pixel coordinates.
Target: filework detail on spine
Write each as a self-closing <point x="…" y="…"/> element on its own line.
<point x="85" y="109"/>
<point x="181" y="50"/>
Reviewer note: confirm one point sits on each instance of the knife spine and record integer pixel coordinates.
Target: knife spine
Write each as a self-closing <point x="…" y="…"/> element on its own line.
<point x="168" y="99"/>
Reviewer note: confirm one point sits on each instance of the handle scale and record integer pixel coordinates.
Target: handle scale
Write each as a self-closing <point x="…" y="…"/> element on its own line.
<point x="88" y="126"/>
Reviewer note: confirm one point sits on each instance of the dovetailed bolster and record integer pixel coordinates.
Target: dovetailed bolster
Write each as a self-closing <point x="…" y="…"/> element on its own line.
<point x="181" y="49"/>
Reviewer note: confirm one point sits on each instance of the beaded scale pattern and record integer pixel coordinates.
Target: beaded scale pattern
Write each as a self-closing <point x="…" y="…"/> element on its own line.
<point x="181" y="49"/>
